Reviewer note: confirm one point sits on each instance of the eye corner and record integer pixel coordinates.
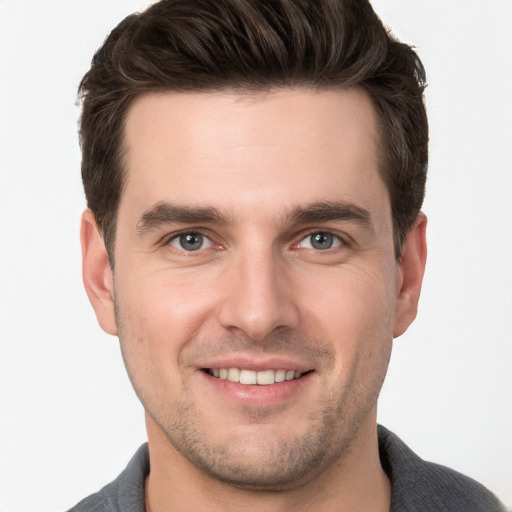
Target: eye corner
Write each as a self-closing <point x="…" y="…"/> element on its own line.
<point x="189" y="241"/>
<point x="321" y="240"/>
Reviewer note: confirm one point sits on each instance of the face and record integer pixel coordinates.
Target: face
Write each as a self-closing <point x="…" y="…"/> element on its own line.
<point x="256" y="290"/>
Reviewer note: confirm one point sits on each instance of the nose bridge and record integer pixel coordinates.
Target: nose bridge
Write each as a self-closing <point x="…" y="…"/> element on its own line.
<point x="258" y="297"/>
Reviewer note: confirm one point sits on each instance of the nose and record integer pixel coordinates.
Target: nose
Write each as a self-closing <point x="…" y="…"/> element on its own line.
<point x="258" y="296"/>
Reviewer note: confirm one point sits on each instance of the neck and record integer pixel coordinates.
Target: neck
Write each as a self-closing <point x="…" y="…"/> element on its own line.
<point x="356" y="483"/>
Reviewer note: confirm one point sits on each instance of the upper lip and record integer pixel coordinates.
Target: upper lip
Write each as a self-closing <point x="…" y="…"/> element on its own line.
<point x="255" y="363"/>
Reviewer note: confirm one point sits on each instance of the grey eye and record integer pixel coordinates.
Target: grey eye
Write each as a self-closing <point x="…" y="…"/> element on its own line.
<point x="190" y="242"/>
<point x="321" y="240"/>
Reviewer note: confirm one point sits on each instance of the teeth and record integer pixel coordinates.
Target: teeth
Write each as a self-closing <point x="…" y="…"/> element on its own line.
<point x="280" y="376"/>
<point x="234" y="375"/>
<point x="250" y="377"/>
<point x="265" y="377"/>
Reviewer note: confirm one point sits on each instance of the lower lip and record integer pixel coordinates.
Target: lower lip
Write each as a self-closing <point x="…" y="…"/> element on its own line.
<point x="257" y="395"/>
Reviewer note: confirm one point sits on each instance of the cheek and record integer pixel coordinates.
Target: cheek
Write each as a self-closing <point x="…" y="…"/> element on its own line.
<point x="354" y="312"/>
<point x="156" y="317"/>
<point x="355" y="299"/>
<point x="163" y="306"/>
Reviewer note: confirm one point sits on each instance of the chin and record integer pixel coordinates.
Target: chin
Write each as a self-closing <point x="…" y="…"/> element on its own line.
<point x="273" y="467"/>
<point x="261" y="457"/>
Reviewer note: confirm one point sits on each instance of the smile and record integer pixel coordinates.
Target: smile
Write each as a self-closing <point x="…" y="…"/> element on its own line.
<point x="251" y="377"/>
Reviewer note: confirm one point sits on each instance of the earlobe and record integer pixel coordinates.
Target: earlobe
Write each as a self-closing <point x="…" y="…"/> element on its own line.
<point x="97" y="274"/>
<point x="411" y="270"/>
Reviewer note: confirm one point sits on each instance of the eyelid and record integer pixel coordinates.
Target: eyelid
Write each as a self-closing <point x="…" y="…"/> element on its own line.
<point x="345" y="239"/>
<point x="168" y="238"/>
<point x="206" y="242"/>
<point x="342" y="237"/>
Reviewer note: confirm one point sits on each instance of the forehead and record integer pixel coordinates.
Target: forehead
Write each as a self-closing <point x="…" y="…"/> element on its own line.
<point x="222" y="149"/>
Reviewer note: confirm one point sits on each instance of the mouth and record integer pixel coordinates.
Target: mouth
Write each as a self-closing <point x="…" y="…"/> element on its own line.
<point x="252" y="377"/>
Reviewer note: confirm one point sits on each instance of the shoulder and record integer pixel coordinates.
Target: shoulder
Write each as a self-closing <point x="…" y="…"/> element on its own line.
<point x="125" y="493"/>
<point x="419" y="486"/>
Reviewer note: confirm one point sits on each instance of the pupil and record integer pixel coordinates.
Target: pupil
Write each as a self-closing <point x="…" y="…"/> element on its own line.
<point x="191" y="242"/>
<point x="322" y="240"/>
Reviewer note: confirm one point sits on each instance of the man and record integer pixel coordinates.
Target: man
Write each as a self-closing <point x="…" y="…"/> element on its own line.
<point x="254" y="172"/>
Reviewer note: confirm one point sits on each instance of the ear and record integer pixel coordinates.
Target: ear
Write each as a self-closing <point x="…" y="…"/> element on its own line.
<point x="97" y="274"/>
<point x="410" y="275"/>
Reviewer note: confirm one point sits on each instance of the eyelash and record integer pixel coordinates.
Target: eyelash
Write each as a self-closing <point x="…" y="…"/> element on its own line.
<point x="195" y="232"/>
<point x="339" y="240"/>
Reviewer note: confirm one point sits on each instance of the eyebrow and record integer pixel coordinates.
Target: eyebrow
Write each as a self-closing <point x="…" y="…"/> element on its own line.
<point x="164" y="213"/>
<point x="331" y="211"/>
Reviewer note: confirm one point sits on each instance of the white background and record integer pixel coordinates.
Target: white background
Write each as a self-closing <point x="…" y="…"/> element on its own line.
<point x="69" y="420"/>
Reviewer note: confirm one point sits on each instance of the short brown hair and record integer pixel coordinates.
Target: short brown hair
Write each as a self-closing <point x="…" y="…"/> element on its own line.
<point x="253" y="45"/>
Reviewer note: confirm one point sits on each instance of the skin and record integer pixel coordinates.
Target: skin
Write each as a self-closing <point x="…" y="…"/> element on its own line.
<point x="257" y="294"/>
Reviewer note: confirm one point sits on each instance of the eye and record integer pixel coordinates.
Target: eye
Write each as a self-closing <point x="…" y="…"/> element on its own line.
<point x="321" y="241"/>
<point x="190" y="242"/>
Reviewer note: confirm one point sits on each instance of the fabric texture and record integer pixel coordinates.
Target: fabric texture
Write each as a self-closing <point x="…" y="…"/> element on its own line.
<point x="417" y="486"/>
<point x="125" y="493"/>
